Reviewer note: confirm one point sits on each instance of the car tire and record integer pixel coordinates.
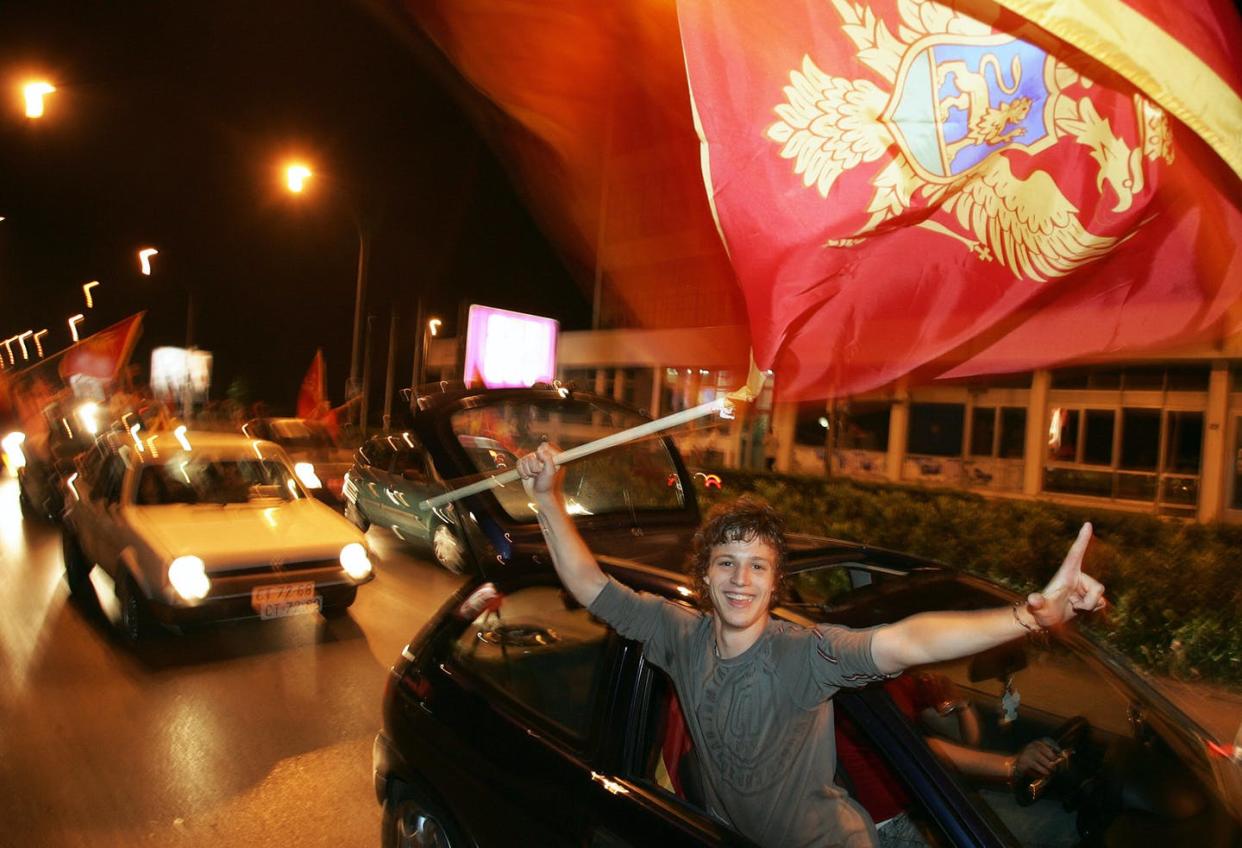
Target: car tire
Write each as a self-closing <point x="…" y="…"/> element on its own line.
<point x="355" y="515"/>
<point x="135" y="622"/>
<point x="446" y="547"/>
<point x="77" y="569"/>
<point x="411" y="820"/>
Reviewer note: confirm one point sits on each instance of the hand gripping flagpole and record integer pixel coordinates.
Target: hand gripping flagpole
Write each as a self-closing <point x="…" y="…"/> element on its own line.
<point x="724" y="406"/>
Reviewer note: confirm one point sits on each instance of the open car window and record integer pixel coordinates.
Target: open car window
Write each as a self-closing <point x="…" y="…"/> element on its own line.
<point x="636" y="477"/>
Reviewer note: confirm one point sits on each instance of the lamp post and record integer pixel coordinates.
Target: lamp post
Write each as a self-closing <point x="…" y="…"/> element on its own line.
<point x="298" y="175"/>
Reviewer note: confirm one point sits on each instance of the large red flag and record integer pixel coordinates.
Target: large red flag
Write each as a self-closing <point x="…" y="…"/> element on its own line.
<point x="902" y="184"/>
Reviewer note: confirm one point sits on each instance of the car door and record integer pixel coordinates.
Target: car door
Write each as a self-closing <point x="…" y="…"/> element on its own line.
<point x="98" y="512"/>
<point x="409" y="484"/>
<point x="511" y="717"/>
<point x="370" y="468"/>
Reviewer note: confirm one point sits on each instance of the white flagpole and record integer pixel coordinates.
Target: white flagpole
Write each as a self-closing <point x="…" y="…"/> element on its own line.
<point x="611" y="440"/>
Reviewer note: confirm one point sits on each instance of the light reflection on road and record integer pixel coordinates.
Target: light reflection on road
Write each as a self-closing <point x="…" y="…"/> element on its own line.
<point x="28" y="598"/>
<point x="232" y="734"/>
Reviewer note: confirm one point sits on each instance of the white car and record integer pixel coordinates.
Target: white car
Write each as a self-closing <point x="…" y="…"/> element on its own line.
<point x="180" y="527"/>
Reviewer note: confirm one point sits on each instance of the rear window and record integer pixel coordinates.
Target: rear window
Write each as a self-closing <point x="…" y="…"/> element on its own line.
<point x="639" y="476"/>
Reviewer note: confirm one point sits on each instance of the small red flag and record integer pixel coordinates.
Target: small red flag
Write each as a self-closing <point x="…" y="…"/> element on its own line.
<point x="901" y="185"/>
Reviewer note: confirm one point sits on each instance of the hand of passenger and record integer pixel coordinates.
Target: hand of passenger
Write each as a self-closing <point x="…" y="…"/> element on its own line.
<point x="538" y="471"/>
<point x="1069" y="591"/>
<point x="1038" y="758"/>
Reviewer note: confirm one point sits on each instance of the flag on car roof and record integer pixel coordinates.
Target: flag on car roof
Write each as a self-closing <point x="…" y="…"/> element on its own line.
<point x="901" y="185"/>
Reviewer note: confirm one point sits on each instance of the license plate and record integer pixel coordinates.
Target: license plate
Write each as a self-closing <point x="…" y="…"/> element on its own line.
<point x="284" y="599"/>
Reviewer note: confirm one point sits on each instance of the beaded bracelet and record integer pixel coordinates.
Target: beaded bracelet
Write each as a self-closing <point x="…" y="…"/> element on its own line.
<point x="1036" y="631"/>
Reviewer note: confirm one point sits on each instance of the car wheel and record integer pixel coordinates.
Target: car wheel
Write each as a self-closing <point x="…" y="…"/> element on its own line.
<point x="355" y="515"/>
<point x="135" y="620"/>
<point x="446" y="547"/>
<point x="412" y="821"/>
<point x="77" y="569"/>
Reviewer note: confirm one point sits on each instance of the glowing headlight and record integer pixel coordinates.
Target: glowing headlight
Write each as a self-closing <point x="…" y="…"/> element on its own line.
<point x="13" y="454"/>
<point x="355" y="561"/>
<point x="187" y="576"/>
<point x="306" y="473"/>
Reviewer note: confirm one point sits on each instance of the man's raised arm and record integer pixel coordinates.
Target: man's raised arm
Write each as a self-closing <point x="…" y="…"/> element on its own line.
<point x="937" y="636"/>
<point x="573" y="560"/>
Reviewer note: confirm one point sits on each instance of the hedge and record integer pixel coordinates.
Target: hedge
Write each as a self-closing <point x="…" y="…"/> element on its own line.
<point x="1175" y="587"/>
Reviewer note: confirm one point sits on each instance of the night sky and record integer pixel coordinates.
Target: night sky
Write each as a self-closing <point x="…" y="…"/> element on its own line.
<point x="168" y="129"/>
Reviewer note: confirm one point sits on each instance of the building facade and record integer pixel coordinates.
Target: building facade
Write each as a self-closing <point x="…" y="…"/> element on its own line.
<point x="1161" y="436"/>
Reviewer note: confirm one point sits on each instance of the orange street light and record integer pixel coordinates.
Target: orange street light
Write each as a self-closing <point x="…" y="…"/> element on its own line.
<point x="39" y="344"/>
<point x="144" y="259"/>
<point x="73" y="325"/>
<point x="8" y="345"/>
<point x="433" y="326"/>
<point x="34" y="92"/>
<point x="296" y="175"/>
<point x="86" y="290"/>
<point x="21" y="340"/>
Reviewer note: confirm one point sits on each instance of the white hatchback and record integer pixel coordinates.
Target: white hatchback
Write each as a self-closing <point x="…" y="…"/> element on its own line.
<point x="181" y="527"/>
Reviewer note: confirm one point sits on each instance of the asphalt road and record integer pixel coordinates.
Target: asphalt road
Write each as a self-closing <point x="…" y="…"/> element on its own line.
<point x="239" y="734"/>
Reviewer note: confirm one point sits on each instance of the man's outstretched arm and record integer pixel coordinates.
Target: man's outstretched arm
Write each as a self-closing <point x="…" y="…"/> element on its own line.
<point x="939" y="636"/>
<point x="573" y="560"/>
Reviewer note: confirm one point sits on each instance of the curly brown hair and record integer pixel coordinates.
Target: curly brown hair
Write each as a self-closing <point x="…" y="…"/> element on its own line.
<point x="741" y="520"/>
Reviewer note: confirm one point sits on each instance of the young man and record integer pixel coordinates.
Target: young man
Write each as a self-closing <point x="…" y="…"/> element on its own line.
<point x="756" y="691"/>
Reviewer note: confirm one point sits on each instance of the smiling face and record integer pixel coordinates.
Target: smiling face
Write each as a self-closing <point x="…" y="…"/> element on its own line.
<point x="740" y="578"/>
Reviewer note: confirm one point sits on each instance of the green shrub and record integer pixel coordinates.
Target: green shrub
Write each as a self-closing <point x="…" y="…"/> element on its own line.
<point x="1175" y="587"/>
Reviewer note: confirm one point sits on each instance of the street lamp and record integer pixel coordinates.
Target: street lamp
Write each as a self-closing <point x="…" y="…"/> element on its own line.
<point x="297" y="176"/>
<point x="34" y="92"/>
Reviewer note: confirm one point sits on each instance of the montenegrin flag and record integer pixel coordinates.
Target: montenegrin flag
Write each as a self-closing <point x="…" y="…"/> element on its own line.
<point x="313" y="395"/>
<point x="954" y="189"/>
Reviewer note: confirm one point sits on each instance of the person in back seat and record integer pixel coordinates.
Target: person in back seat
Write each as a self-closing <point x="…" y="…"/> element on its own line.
<point x="756" y="692"/>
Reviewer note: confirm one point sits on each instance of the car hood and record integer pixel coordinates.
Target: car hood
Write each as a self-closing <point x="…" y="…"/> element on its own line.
<point x="238" y="534"/>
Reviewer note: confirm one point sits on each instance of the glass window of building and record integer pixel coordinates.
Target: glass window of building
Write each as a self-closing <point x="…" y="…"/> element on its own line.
<point x="936" y="428"/>
<point x="1012" y="444"/>
<point x="1140" y="439"/>
<point x="1063" y="435"/>
<point x="1184" y="443"/>
<point x="1097" y="440"/>
<point x="982" y="430"/>
<point x="865" y="426"/>
<point x="811" y="427"/>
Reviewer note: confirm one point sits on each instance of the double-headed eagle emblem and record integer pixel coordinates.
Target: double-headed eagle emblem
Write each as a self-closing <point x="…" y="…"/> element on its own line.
<point x="963" y="100"/>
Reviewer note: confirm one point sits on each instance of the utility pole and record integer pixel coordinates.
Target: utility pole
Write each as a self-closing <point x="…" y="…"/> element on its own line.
<point x="392" y="361"/>
<point x="366" y="379"/>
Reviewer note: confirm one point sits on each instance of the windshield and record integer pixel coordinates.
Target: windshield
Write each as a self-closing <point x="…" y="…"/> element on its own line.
<point x="301" y="434"/>
<point x="636" y="477"/>
<point x="203" y="480"/>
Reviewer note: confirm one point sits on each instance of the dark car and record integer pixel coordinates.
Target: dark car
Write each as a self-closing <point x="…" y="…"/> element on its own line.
<point x="318" y="458"/>
<point x="517" y="717"/>
<point x="637" y="501"/>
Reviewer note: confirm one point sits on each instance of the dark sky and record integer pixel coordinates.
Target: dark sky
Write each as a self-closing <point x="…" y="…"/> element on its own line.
<point x="167" y="129"/>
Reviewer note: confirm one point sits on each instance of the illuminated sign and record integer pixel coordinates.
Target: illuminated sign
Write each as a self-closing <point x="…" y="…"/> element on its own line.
<point x="173" y="367"/>
<point x="509" y="349"/>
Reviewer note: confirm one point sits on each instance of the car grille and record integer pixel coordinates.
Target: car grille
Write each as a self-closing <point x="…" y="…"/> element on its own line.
<point x="274" y="568"/>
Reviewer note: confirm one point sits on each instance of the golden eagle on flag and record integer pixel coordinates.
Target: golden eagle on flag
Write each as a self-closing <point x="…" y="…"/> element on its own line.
<point x="908" y="183"/>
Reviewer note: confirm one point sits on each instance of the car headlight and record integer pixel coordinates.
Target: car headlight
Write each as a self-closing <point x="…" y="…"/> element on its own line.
<point x="306" y="473"/>
<point x="188" y="578"/>
<point x="355" y="561"/>
<point x="14" y="457"/>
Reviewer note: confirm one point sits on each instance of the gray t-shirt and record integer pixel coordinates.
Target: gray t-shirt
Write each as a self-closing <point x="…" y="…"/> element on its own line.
<point x="762" y="721"/>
